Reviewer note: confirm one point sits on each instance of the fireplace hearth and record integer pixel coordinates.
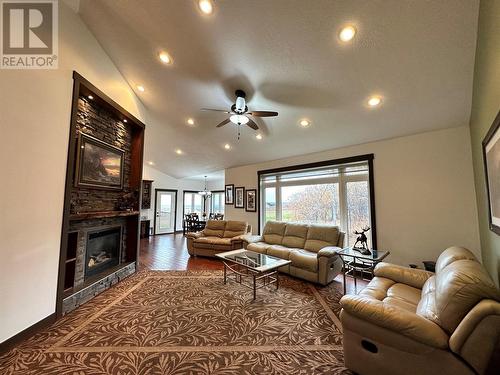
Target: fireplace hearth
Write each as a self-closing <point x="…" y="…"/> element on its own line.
<point x="102" y="250"/>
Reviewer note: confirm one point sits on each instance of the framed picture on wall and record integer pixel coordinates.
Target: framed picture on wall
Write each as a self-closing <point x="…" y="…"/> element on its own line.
<point x="98" y="164"/>
<point x="229" y="194"/>
<point x="251" y="200"/>
<point x="239" y="197"/>
<point x="491" y="156"/>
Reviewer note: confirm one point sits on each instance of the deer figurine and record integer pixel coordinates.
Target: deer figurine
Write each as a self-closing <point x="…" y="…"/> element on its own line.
<point x="361" y="239"/>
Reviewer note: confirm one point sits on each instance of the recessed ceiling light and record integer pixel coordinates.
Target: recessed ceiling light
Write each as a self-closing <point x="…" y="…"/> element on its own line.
<point x="258" y="136"/>
<point x="374" y="101"/>
<point x="347" y="33"/>
<point x="165" y="58"/>
<point x="141" y="88"/>
<point x="305" y="123"/>
<point x="227" y="146"/>
<point x="190" y="121"/>
<point x="125" y="120"/>
<point x="151" y="163"/>
<point x="206" y="6"/>
<point x="178" y="151"/>
<point x="90" y="97"/>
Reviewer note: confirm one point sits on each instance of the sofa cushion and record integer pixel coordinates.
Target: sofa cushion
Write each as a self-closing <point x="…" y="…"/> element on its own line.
<point x="295" y="235"/>
<point x="258" y="247"/>
<point x="212" y="243"/>
<point x="458" y="288"/>
<point x="304" y="259"/>
<point x="214" y="228"/>
<point x="235" y="228"/>
<point x="451" y="255"/>
<point x="273" y="232"/>
<point x="405" y="293"/>
<point x="279" y="251"/>
<point x="319" y="236"/>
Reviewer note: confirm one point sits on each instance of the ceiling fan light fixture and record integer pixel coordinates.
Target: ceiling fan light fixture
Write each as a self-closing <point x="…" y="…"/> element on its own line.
<point x="239" y="119"/>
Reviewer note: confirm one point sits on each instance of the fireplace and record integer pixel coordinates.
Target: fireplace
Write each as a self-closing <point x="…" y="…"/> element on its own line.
<point x="102" y="250"/>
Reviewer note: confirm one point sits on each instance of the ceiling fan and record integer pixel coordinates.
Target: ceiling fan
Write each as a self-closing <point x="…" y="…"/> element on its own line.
<point x="239" y="113"/>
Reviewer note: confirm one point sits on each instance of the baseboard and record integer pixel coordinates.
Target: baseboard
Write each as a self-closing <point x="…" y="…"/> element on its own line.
<point x="28" y="332"/>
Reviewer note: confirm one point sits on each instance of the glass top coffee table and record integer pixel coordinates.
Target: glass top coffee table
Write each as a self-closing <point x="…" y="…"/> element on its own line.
<point x="251" y="269"/>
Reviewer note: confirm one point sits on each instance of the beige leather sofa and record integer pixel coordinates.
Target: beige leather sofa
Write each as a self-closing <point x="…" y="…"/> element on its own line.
<point x="312" y="249"/>
<point x="217" y="237"/>
<point x="409" y="321"/>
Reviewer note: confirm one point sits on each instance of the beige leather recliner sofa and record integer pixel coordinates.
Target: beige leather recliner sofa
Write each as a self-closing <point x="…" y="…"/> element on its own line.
<point x="312" y="249"/>
<point x="410" y="321"/>
<point x="217" y="237"/>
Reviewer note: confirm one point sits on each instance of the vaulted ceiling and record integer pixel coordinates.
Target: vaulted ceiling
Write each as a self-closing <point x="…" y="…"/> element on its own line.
<point x="417" y="55"/>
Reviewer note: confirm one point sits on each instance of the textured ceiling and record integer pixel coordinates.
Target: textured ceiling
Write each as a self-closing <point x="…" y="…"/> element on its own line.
<point x="419" y="55"/>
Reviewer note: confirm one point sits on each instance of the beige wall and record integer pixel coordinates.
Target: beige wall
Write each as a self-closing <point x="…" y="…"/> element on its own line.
<point x="424" y="192"/>
<point x="485" y="106"/>
<point x="34" y="116"/>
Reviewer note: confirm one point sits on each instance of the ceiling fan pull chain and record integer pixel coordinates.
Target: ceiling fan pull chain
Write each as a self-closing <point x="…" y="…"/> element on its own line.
<point x="238" y="132"/>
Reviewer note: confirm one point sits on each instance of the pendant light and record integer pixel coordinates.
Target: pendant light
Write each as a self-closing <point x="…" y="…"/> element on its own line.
<point x="205" y="192"/>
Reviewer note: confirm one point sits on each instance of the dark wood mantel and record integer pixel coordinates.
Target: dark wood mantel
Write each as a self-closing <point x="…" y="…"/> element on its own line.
<point x="101" y="214"/>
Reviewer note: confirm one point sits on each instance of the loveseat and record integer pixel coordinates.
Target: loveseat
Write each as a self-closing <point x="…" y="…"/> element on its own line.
<point x="312" y="249"/>
<point x="410" y="321"/>
<point x="217" y="237"/>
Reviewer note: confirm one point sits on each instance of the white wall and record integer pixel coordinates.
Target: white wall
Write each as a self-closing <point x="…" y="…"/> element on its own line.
<point x="35" y="110"/>
<point x="216" y="185"/>
<point x="164" y="181"/>
<point x="424" y="192"/>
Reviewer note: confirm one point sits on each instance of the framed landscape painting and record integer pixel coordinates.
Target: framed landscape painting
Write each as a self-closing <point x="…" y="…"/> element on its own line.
<point x="491" y="155"/>
<point x="229" y="194"/>
<point x="98" y="164"/>
<point x="239" y="197"/>
<point x="251" y="200"/>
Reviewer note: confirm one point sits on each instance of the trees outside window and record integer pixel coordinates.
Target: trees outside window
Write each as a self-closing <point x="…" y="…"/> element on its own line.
<point x="338" y="195"/>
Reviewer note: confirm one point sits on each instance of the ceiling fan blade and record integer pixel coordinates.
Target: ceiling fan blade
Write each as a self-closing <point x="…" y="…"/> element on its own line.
<point x="263" y="113"/>
<point x="252" y="124"/>
<point x="226" y="121"/>
<point x="215" y="110"/>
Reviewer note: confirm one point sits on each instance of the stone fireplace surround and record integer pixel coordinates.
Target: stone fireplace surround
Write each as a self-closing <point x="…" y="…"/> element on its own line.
<point x="84" y="289"/>
<point x="90" y="209"/>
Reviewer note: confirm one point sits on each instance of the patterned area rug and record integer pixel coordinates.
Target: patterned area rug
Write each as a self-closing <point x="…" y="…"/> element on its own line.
<point x="187" y="322"/>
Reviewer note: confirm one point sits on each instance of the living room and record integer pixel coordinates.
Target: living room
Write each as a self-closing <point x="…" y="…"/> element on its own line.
<point x="303" y="140"/>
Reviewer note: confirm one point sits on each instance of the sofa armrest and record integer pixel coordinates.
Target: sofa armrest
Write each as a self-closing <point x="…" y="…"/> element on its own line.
<point x="250" y="238"/>
<point x="194" y="235"/>
<point x="395" y="319"/>
<point x="404" y="275"/>
<point x="328" y="251"/>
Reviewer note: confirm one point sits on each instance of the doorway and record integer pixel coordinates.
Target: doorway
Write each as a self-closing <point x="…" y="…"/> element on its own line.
<point x="165" y="211"/>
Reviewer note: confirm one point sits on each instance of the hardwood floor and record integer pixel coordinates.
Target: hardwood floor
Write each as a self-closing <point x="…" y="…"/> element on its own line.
<point x="169" y="252"/>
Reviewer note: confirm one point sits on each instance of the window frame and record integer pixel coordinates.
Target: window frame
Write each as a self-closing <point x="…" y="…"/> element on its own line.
<point x="194" y="192"/>
<point x="340" y="179"/>
<point x="222" y="202"/>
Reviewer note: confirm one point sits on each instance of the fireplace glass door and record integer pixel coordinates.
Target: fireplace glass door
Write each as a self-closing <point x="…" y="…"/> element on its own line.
<point x="165" y="211"/>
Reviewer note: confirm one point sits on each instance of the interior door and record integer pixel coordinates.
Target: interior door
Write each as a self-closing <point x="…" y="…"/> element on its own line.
<point x="165" y="205"/>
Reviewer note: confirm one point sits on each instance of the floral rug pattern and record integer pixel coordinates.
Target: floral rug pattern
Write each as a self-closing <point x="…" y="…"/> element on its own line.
<point x="189" y="322"/>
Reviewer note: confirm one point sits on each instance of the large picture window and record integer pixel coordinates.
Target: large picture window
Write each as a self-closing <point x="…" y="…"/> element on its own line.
<point x="193" y="203"/>
<point x="335" y="192"/>
<point x="217" y="202"/>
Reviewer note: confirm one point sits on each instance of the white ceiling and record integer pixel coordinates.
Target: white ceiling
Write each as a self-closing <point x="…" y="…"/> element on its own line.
<point x="419" y="55"/>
